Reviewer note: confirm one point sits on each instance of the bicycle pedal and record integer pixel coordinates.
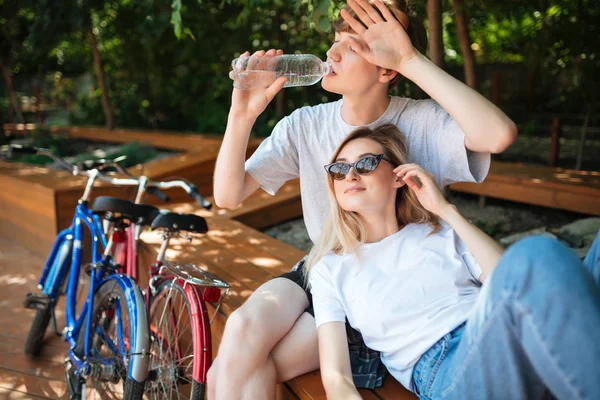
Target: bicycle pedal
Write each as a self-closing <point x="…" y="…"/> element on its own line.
<point x="37" y="301"/>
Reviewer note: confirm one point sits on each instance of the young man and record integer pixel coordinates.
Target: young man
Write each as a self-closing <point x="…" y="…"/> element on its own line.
<point x="271" y="338"/>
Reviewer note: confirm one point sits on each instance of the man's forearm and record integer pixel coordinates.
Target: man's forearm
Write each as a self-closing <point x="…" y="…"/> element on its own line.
<point x="486" y="127"/>
<point x="229" y="169"/>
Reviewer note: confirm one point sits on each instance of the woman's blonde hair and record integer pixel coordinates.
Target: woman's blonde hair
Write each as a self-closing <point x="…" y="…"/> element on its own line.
<point x="401" y="9"/>
<point x="343" y="232"/>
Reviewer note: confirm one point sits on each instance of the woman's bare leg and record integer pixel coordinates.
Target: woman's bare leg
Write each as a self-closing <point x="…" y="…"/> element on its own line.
<point x="251" y="333"/>
<point x="296" y="354"/>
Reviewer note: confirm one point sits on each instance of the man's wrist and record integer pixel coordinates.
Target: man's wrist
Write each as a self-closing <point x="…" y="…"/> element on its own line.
<point x="410" y="68"/>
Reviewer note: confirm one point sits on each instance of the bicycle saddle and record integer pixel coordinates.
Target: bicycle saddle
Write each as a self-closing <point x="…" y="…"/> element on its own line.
<point x="180" y="222"/>
<point x="139" y="213"/>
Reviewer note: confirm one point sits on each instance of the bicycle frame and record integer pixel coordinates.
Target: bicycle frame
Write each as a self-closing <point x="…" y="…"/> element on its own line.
<point x="74" y="323"/>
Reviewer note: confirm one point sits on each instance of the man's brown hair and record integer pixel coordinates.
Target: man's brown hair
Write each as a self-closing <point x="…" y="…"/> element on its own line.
<point x="401" y="10"/>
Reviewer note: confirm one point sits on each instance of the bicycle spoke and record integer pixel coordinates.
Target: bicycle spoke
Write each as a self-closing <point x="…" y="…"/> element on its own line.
<point x="167" y="301"/>
<point x="190" y="357"/>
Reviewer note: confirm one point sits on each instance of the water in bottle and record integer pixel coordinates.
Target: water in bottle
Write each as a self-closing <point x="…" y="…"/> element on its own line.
<point x="301" y="70"/>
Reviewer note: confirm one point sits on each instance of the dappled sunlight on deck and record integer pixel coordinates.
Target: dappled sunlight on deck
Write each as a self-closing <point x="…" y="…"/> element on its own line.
<point x="21" y="378"/>
<point x="265" y="262"/>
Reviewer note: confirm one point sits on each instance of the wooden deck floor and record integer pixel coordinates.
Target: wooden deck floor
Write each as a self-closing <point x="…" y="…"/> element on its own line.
<point x="21" y="378"/>
<point x="242" y="256"/>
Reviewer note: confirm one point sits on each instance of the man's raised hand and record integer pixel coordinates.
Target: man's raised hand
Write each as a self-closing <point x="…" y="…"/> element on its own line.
<point x="383" y="38"/>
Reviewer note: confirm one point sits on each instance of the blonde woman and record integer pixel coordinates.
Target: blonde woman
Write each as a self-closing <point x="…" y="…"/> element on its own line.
<point x="406" y="270"/>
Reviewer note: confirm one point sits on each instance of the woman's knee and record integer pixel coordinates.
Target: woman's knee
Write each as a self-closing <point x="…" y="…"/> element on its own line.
<point x="538" y="263"/>
<point x="242" y="324"/>
<point x="538" y="255"/>
<point x="249" y="329"/>
<point x="269" y="313"/>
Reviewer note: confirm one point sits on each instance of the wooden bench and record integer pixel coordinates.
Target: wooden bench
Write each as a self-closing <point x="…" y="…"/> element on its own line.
<point x="571" y="190"/>
<point x="261" y="210"/>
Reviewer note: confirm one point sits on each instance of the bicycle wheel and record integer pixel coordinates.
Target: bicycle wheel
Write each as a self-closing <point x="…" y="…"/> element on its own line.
<point x="173" y="329"/>
<point x="35" y="338"/>
<point x="111" y="345"/>
<point x="54" y="285"/>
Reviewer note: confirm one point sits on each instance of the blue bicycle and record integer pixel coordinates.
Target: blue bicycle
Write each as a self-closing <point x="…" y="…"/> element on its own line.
<point x="108" y="336"/>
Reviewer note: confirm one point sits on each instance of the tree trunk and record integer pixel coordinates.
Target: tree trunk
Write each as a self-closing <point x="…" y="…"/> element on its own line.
<point x="100" y="75"/>
<point x="584" y="130"/>
<point x="436" y="41"/>
<point x="464" y="39"/>
<point x="531" y="92"/>
<point x="554" y="142"/>
<point x="12" y="95"/>
<point x="37" y="93"/>
<point x="3" y="138"/>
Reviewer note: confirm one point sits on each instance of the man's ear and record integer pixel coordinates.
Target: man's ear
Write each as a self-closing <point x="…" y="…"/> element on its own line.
<point x="386" y="75"/>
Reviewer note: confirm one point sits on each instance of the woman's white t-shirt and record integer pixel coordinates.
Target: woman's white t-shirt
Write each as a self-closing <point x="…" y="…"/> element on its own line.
<point x="403" y="295"/>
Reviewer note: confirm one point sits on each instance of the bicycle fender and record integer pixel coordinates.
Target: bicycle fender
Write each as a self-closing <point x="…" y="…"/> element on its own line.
<point x="59" y="268"/>
<point x="140" y="336"/>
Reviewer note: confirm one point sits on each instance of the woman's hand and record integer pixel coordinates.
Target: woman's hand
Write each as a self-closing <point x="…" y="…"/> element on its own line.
<point x="251" y="103"/>
<point x="385" y="42"/>
<point x="423" y="185"/>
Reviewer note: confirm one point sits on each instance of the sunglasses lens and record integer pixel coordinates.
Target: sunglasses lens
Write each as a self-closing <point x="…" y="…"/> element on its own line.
<point x="338" y="171"/>
<point x="366" y="165"/>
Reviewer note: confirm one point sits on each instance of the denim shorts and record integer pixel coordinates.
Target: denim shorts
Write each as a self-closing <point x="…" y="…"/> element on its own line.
<point x="367" y="369"/>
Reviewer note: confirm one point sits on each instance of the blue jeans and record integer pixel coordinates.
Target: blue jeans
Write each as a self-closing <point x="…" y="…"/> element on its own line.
<point x="535" y="327"/>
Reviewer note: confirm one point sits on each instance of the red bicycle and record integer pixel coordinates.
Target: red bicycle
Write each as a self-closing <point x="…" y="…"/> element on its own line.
<point x="176" y="294"/>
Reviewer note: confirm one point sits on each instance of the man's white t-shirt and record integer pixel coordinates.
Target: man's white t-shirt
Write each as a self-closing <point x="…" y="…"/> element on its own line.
<point x="403" y="294"/>
<point x="303" y="142"/>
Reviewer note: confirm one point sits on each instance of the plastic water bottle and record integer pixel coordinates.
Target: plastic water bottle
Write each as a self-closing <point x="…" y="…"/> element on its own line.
<point x="301" y="70"/>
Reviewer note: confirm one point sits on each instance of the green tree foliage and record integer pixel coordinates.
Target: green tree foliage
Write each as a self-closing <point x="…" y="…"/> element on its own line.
<point x="167" y="62"/>
<point x="160" y="81"/>
<point x="556" y="39"/>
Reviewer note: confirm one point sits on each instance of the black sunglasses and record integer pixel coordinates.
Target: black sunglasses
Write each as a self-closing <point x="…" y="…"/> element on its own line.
<point x="364" y="166"/>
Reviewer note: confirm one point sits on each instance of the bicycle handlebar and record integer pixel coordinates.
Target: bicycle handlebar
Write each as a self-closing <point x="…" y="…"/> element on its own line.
<point x="184" y="184"/>
<point x="200" y="199"/>
<point x="21" y="149"/>
<point x="155" y="192"/>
